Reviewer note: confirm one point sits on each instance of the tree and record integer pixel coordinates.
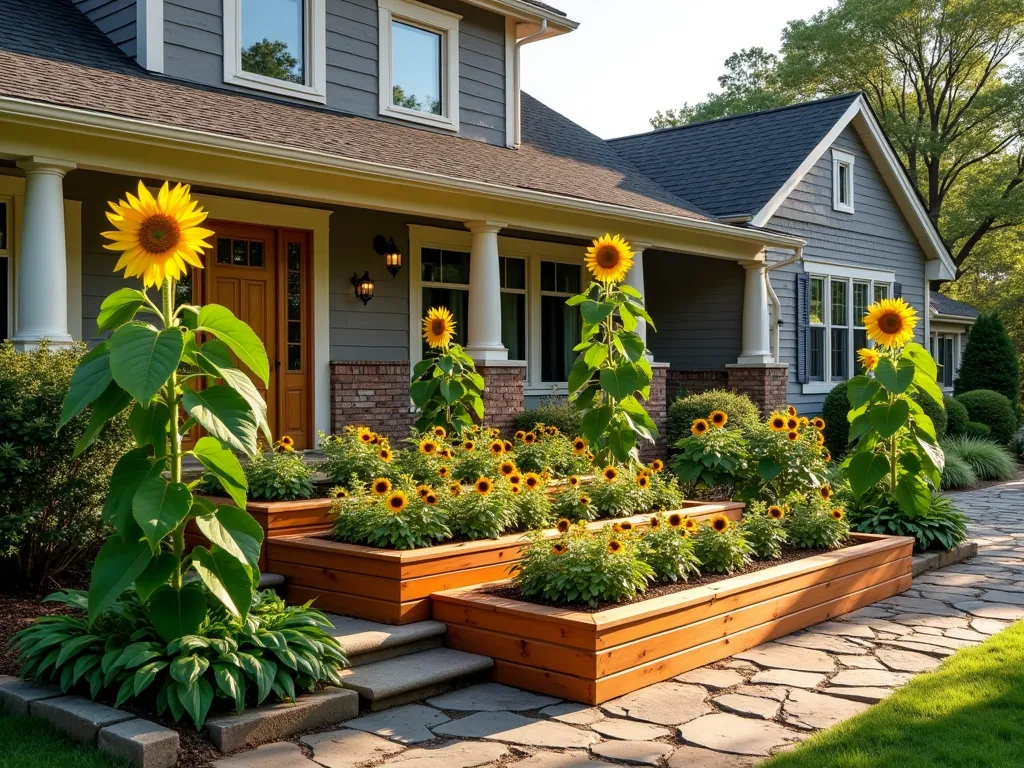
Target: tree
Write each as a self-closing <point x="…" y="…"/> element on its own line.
<point x="989" y="360"/>
<point x="272" y="59"/>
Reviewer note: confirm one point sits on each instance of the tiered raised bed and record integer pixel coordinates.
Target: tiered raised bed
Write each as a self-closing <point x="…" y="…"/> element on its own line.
<point x="594" y="657"/>
<point x="394" y="587"/>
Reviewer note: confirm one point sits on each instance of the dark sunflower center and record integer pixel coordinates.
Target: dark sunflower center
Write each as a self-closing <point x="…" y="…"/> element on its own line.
<point x="719" y="525"/>
<point x="891" y="323"/>
<point x="438" y="326"/>
<point x="607" y="256"/>
<point x="396" y="503"/>
<point x="159" y="233"/>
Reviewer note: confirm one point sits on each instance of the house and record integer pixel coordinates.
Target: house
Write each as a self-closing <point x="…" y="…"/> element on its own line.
<point x="824" y="172"/>
<point x="363" y="160"/>
<point x="950" y="322"/>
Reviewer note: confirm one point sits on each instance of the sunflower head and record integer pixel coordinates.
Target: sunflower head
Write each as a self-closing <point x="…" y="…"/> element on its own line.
<point x="530" y="438"/>
<point x="584" y="501"/>
<point x="699" y="427"/>
<point x="532" y="480"/>
<point x="440" y="433"/>
<point x="675" y="520"/>
<point x="396" y="502"/>
<point x="579" y="446"/>
<point x="338" y="492"/>
<point x="497" y="447"/>
<point x="654" y="522"/>
<point x="793" y="435"/>
<point x="381" y="486"/>
<point x="365" y="435"/>
<point x="625" y="525"/>
<point x="484" y="486"/>
<point x="516" y="489"/>
<point x="384" y="454"/>
<point x="455" y="489"/>
<point x="507" y="468"/>
<point x="643" y="481"/>
<point x="439" y="327"/>
<point x="159" y="237"/>
<point x="868" y="358"/>
<point x="657" y="465"/>
<point x="790" y="410"/>
<point x="827" y="456"/>
<point x="551" y="430"/>
<point x="428" y="447"/>
<point x="719" y="418"/>
<point x="777" y="422"/>
<point x="720" y="523"/>
<point x="838" y="514"/>
<point x="609" y="259"/>
<point x="444" y="471"/>
<point x="610" y="473"/>
<point x="614" y="546"/>
<point x="560" y="548"/>
<point x="515" y="478"/>
<point x="573" y="481"/>
<point x="820" y="438"/>
<point x="775" y="512"/>
<point x="818" y="423"/>
<point x="519" y="435"/>
<point x="563" y="525"/>
<point x="690" y="524"/>
<point x="469" y="446"/>
<point x="890" y="322"/>
<point x="508" y="446"/>
<point x="430" y="500"/>
<point x="792" y="423"/>
<point x="825" y="492"/>
<point x="423" y="490"/>
<point x="285" y="443"/>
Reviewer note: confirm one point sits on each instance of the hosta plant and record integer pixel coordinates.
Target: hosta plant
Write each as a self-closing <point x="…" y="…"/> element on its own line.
<point x="174" y="367"/>
<point x="446" y="387"/>
<point x="944" y="527"/>
<point x="720" y="546"/>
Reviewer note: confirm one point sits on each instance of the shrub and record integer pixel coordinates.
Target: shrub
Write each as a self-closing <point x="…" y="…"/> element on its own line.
<point x="1017" y="445"/>
<point x="357" y="456"/>
<point x="663" y="492"/>
<point x="580" y="567"/>
<point x="763" y="529"/>
<point x="990" y="461"/>
<point x="282" y="475"/>
<point x="391" y="517"/>
<point x="942" y="527"/>
<point x="957" y="473"/>
<point x="50" y="499"/>
<point x="543" y="448"/>
<point x="486" y="512"/>
<point x="557" y="411"/>
<point x="935" y="411"/>
<point x="669" y="551"/>
<point x="976" y="429"/>
<point x="685" y="410"/>
<point x="956" y="417"/>
<point x="783" y="460"/>
<point x="720" y="546"/>
<point x="813" y="522"/>
<point x="990" y="361"/>
<point x="993" y="410"/>
<point x="837" y="428"/>
<point x="711" y="458"/>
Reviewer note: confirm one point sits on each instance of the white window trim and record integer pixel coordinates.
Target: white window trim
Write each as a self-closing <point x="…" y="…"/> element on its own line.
<point x="933" y="348"/>
<point x="533" y="251"/>
<point x="445" y="24"/>
<point x="314" y="90"/>
<point x="840" y="158"/>
<point x="849" y="275"/>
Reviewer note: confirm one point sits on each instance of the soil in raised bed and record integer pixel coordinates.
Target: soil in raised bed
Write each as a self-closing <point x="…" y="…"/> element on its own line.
<point x="789" y="555"/>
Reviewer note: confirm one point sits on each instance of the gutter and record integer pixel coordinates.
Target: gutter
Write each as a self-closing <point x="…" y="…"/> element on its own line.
<point x="518" y="140"/>
<point x="104" y="124"/>
<point x="774" y="298"/>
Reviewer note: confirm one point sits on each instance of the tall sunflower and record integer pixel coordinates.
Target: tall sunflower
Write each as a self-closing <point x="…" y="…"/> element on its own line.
<point x="891" y="322"/>
<point x="159" y="237"/>
<point x="609" y="259"/>
<point x="439" y="327"/>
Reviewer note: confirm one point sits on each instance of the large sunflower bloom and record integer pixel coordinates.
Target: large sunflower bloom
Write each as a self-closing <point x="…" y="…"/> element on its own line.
<point x="891" y="322"/>
<point x="159" y="237"/>
<point x="439" y="327"/>
<point x="609" y="259"/>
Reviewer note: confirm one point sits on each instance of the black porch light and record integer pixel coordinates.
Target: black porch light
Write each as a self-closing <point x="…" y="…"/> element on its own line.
<point x="388" y="248"/>
<point x="364" y="287"/>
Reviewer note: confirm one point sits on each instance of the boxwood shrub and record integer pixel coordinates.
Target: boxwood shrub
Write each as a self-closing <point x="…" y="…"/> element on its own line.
<point x="992" y="409"/>
<point x="837" y="428"/>
<point x="956" y="417"/>
<point x="935" y="411"/>
<point x="685" y="410"/>
<point x="556" y="411"/>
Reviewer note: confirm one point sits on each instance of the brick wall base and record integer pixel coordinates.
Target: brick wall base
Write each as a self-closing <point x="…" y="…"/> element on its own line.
<point x="503" y="394"/>
<point x="695" y="382"/>
<point x="657" y="407"/>
<point x="765" y="385"/>
<point x="371" y="393"/>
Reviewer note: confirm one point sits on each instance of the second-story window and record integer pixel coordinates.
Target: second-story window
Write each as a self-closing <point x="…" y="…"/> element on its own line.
<point x="278" y="46"/>
<point x="419" y="63"/>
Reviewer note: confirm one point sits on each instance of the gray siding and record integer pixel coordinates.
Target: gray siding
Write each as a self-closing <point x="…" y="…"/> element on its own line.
<point x="697" y="305"/>
<point x="193" y="50"/>
<point x="875" y="236"/>
<point x="115" y="18"/>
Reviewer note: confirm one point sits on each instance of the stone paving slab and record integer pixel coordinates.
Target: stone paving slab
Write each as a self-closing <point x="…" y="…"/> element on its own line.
<point x="633" y="752"/>
<point x="491" y="697"/>
<point x="737" y="735"/>
<point x="349" y="749"/>
<point x="576" y="714"/>
<point x="512" y="728"/>
<point x="662" y="703"/>
<point x="281" y="754"/>
<point x="456" y="754"/>
<point x="409" y="724"/>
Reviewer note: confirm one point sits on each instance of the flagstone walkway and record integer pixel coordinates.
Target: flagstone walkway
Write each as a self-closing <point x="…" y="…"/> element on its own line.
<point x="727" y="715"/>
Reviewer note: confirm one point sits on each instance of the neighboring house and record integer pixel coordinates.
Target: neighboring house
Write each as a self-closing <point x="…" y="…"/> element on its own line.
<point x="821" y="171"/>
<point x="328" y="138"/>
<point x="950" y="322"/>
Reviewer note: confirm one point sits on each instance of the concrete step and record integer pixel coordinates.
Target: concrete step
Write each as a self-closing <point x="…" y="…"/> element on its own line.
<point x="274" y="581"/>
<point x="367" y="642"/>
<point x="413" y="677"/>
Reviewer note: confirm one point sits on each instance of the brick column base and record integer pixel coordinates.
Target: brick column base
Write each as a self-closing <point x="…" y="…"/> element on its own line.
<point x="764" y="384"/>
<point x="372" y="393"/>
<point x="657" y="407"/>
<point x="503" y="393"/>
<point x="695" y="382"/>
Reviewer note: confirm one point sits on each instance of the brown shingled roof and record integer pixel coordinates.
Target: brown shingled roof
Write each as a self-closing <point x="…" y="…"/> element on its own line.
<point x="49" y="52"/>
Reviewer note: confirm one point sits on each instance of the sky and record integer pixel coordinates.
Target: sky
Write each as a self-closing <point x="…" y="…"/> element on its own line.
<point x="630" y="58"/>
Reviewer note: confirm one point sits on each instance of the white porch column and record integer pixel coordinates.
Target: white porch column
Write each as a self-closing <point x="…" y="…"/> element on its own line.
<point x="483" y="336"/>
<point x="42" y="298"/>
<point x="756" y="323"/>
<point x="635" y="279"/>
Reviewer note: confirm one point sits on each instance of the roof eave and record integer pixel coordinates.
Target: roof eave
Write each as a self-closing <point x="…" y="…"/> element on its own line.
<point x="528" y="13"/>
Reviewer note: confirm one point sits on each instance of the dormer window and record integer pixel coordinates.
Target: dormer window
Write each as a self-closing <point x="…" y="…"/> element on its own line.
<point x="842" y="181"/>
<point x="278" y="46"/>
<point x="419" y="63"/>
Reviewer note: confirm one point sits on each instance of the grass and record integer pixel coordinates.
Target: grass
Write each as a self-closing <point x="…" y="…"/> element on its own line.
<point x="966" y="714"/>
<point x="28" y="742"/>
<point x="989" y="460"/>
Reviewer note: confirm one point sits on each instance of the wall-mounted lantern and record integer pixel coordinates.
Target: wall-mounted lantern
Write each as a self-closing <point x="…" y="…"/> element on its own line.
<point x="364" y="287"/>
<point x="386" y="247"/>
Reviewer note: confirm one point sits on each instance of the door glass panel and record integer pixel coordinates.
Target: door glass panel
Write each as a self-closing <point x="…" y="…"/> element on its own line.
<point x="273" y="39"/>
<point x="240" y="253"/>
<point x="294" y="255"/>
<point x="255" y="253"/>
<point x="223" y="250"/>
<point x="4" y="244"/>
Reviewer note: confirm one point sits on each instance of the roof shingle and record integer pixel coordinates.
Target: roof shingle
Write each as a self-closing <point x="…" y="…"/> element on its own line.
<point x="944" y="305"/>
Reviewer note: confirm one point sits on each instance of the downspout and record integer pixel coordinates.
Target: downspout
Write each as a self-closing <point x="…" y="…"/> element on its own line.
<point x="776" y="304"/>
<point x="519" y="109"/>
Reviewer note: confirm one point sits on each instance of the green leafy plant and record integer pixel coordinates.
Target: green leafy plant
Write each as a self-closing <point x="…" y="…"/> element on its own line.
<point x="357" y="456"/>
<point x="992" y="409"/>
<point x="837" y="428"/>
<point x="533" y="507"/>
<point x="574" y="503"/>
<point x="446" y="387"/>
<point x="956" y="417"/>
<point x="616" y="493"/>
<point x="668" y="551"/>
<point x="663" y="492"/>
<point x="392" y="518"/>
<point x="475" y="458"/>
<point x="990" y="361"/>
<point x="977" y="429"/>
<point x="611" y="374"/>
<point x="544" y="448"/>
<point x="936" y="411"/>
<point x="815" y="521"/>
<point x="720" y="546"/>
<point x="763" y="529"/>
<point x="485" y="512"/>
<point x="989" y="460"/>
<point x="783" y="459"/>
<point x="282" y="475"/>
<point x="583" y="567"/>
<point x="711" y="457"/>
<point x="683" y="411"/>
<point x="556" y="411"/>
<point x="51" y="495"/>
<point x="942" y="527"/>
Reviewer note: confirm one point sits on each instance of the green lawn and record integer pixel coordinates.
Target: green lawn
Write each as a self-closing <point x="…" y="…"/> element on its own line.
<point x="969" y="713"/>
<point x="27" y="742"/>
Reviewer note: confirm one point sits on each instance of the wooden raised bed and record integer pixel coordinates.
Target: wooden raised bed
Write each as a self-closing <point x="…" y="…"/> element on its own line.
<point x="394" y="587"/>
<point x="594" y="657"/>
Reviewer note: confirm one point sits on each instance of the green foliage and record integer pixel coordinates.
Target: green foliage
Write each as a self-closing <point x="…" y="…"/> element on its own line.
<point x="581" y="567"/>
<point x="50" y="498"/>
<point x="934" y="410"/>
<point x="977" y="429"/>
<point x="372" y="520"/>
<point x="478" y="515"/>
<point x="781" y="464"/>
<point x="813" y="522"/>
<point x="448" y="391"/>
<point x="575" y="504"/>
<point x="1017" y="445"/>
<point x="611" y="374"/>
<point x="223" y="662"/>
<point x="544" y="448"/>
<point x="353" y="458"/>
<point x="276" y="476"/>
<point x="957" y="473"/>
<point x="663" y="492"/>
<point x="956" y="417"/>
<point x="721" y="547"/>
<point x="533" y="508"/>
<point x="718" y="458"/>
<point x="942" y="526"/>
<point x="615" y="493"/>
<point x="989" y="361"/>
<point x="668" y="551"/>
<point x="837" y="428"/>
<point x="683" y="411"/>
<point x="989" y="460"/>
<point x="764" y="533"/>
<point x="992" y="409"/>
<point x="556" y="411"/>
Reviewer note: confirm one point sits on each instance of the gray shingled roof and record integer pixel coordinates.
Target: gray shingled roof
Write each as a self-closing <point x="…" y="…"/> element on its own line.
<point x="51" y="53"/>
<point x="947" y="306"/>
<point x="733" y="166"/>
<point x="547" y="7"/>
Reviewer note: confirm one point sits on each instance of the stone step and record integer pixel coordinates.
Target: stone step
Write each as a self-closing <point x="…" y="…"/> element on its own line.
<point x="417" y="676"/>
<point x="274" y="581"/>
<point x="367" y="642"/>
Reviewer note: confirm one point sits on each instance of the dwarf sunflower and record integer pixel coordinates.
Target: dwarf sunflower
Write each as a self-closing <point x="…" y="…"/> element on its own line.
<point x="497" y="447"/>
<point x="793" y="435"/>
<point x="699" y="427"/>
<point x="838" y="514"/>
<point x="159" y="237"/>
<point x="439" y="327"/>
<point x="532" y="480"/>
<point x="397" y="502"/>
<point x="777" y="422"/>
<point x="868" y="358"/>
<point x="655" y="522"/>
<point x="675" y="520"/>
<point x="430" y="500"/>
<point x="381" y="486"/>
<point x="384" y="454"/>
<point x="560" y="549"/>
<point x="563" y="525"/>
<point x="890" y="322"/>
<point x="444" y="471"/>
<point x="530" y="438"/>
<point x="791" y="410"/>
<point x="579" y="446"/>
<point x="519" y="435"/>
<point x="818" y="423"/>
<point x="609" y="259"/>
<point x="643" y="481"/>
<point x="423" y="490"/>
<point x="455" y="489"/>
<point x="657" y="465"/>
<point x="484" y="486"/>
<point x="614" y="546"/>
<point x="428" y="447"/>
<point x="573" y="481"/>
<point x="285" y="443"/>
<point x="825" y="492"/>
<point x="720" y="523"/>
<point x="775" y="512"/>
<point x="610" y="473"/>
<point x="719" y="418"/>
<point x="507" y="468"/>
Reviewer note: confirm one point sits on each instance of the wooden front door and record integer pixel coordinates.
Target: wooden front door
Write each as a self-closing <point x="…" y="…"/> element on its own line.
<point x="262" y="275"/>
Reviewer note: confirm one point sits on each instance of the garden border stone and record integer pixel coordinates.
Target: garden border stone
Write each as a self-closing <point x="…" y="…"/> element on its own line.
<point x="16" y="695"/>
<point x="143" y="743"/>
<point x="78" y="717"/>
<point x="933" y="561"/>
